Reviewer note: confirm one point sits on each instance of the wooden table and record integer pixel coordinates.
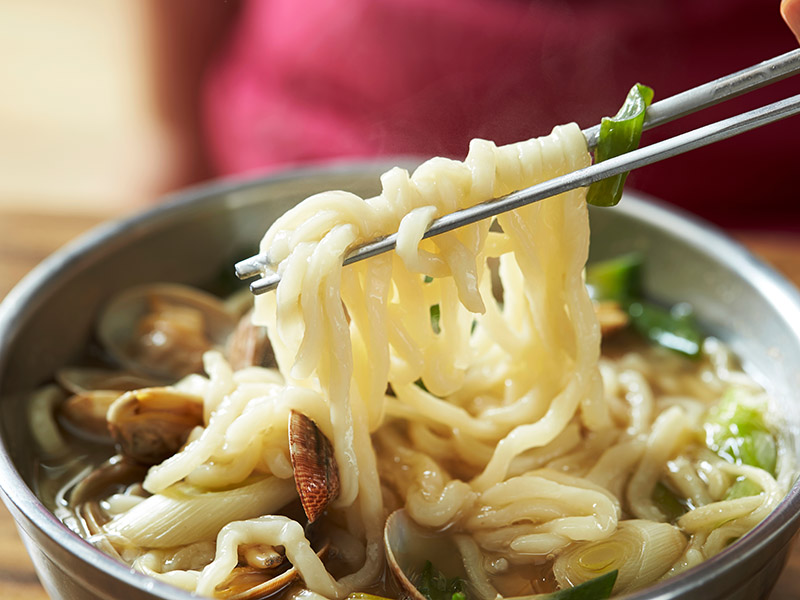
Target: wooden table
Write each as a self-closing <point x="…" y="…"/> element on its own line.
<point x="26" y="238"/>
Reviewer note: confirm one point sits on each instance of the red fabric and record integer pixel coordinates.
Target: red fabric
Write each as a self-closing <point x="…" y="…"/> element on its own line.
<point x="308" y="81"/>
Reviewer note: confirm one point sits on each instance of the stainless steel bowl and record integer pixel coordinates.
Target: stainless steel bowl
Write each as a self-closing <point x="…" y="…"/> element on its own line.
<point x="198" y="235"/>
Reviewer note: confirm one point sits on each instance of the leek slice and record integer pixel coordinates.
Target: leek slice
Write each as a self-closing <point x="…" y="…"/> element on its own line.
<point x="619" y="134"/>
<point x="183" y="514"/>
<point x="642" y="551"/>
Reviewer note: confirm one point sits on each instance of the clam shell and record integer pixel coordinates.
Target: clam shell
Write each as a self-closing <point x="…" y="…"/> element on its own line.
<point x="249" y="345"/>
<point x="111" y="476"/>
<point x="316" y="474"/>
<point x="409" y="546"/>
<point x="237" y="587"/>
<point x="121" y="319"/>
<point x="78" y="380"/>
<point x="84" y="414"/>
<point x="93" y="391"/>
<point x="152" y="424"/>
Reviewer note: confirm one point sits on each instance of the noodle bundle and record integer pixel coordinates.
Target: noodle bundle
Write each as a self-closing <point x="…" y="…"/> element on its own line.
<point x="459" y="378"/>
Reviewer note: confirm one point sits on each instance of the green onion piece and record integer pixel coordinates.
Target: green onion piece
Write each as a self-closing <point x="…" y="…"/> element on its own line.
<point x="435" y="586"/>
<point x="668" y="502"/>
<point x="598" y="588"/>
<point x="618" y="278"/>
<point x="742" y="487"/>
<point x="736" y="431"/>
<point x="674" y="329"/>
<point x="619" y="134"/>
<point x="435" y="318"/>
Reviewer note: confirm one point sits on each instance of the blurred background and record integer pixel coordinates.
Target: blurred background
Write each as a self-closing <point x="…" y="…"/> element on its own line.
<point x="99" y="110"/>
<point x="107" y="105"/>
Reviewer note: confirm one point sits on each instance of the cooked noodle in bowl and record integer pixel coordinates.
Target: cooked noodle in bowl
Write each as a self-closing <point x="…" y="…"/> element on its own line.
<point x="458" y="380"/>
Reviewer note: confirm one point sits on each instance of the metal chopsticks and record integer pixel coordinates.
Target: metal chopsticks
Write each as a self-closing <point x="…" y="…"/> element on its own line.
<point x="660" y="112"/>
<point x="714" y="92"/>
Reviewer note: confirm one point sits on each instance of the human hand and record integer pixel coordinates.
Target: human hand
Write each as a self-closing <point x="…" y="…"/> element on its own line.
<point x="790" y="11"/>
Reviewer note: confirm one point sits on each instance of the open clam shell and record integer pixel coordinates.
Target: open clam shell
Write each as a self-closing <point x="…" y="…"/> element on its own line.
<point x="241" y="585"/>
<point x="152" y="424"/>
<point x="162" y="330"/>
<point x="409" y="547"/>
<point x="84" y="414"/>
<point x="249" y="345"/>
<point x="93" y="391"/>
<point x="78" y="380"/>
<point x="113" y="475"/>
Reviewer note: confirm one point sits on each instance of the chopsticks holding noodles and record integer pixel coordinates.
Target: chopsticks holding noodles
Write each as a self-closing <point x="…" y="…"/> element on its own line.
<point x="666" y="110"/>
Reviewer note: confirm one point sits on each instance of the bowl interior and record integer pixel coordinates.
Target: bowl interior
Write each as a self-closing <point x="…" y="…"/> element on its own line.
<point x="48" y="319"/>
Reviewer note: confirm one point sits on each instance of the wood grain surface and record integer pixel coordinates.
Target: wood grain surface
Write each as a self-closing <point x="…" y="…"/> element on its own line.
<point x="27" y="238"/>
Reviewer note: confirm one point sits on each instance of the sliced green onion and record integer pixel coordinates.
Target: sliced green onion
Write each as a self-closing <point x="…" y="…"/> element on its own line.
<point x="435" y="317"/>
<point x="619" y="134"/>
<point x="435" y="586"/>
<point x="618" y="279"/>
<point x="668" y="502"/>
<point x="598" y="588"/>
<point x="741" y="488"/>
<point x="673" y="329"/>
<point x="737" y="431"/>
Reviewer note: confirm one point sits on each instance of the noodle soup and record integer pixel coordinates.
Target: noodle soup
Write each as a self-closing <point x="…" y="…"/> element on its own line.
<point x="488" y="415"/>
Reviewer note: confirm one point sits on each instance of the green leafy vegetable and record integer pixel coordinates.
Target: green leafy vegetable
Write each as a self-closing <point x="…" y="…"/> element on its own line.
<point x="598" y="588"/>
<point x="618" y="279"/>
<point x="674" y="329"/>
<point x="737" y="431"/>
<point x="619" y="134"/>
<point x="435" y="586"/>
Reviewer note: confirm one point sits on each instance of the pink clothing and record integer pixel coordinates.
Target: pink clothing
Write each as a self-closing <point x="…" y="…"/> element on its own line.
<point x="309" y="81"/>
